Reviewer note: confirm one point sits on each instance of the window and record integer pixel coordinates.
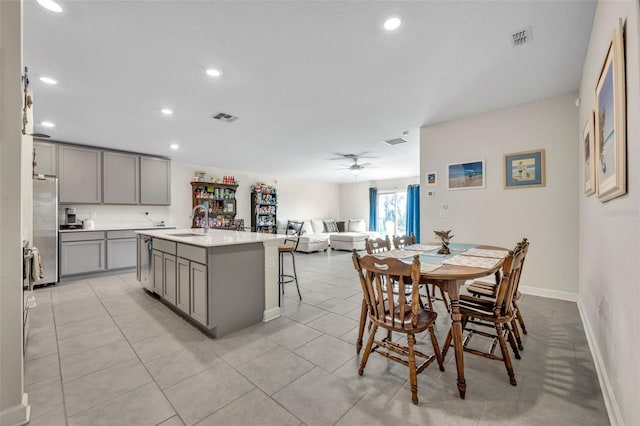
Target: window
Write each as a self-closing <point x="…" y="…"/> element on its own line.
<point x="392" y="213"/>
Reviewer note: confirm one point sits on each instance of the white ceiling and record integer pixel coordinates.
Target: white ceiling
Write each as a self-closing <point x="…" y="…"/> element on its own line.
<point x="306" y="79"/>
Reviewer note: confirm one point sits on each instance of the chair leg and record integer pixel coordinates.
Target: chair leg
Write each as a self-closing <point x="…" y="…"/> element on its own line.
<point x="413" y="377"/>
<point x="367" y="350"/>
<point x="295" y="274"/>
<point x="520" y="319"/>
<point x="516" y="333"/>
<point x="436" y="348"/>
<point x="281" y="271"/>
<point x="447" y="343"/>
<point x="512" y="341"/>
<point x="429" y="301"/>
<point x="445" y="299"/>
<point x="505" y="355"/>
<point x="363" y="321"/>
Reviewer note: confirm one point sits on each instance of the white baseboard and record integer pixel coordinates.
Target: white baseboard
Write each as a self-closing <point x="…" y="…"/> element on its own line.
<point x="552" y="294"/>
<point x="613" y="410"/>
<point x="17" y="415"/>
<point x="271" y="314"/>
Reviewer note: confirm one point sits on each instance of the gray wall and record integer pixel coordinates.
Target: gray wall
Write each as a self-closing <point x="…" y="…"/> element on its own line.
<point x="609" y="266"/>
<point x="494" y="215"/>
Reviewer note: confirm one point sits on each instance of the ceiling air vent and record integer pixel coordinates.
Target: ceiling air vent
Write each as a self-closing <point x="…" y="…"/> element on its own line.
<point x="521" y="37"/>
<point x="396" y="141"/>
<point x="227" y="118"/>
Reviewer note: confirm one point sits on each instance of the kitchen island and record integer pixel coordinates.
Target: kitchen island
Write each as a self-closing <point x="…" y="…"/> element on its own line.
<point x="222" y="280"/>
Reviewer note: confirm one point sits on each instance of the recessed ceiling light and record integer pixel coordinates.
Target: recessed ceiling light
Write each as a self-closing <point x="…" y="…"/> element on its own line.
<point x="48" y="80"/>
<point x="392" y="23"/>
<point x="50" y="5"/>
<point x="166" y="111"/>
<point x="48" y="124"/>
<point x="214" y="72"/>
<point x="174" y="146"/>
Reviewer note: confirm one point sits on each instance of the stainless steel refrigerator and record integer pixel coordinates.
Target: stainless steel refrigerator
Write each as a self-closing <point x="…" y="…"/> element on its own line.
<point x="45" y="226"/>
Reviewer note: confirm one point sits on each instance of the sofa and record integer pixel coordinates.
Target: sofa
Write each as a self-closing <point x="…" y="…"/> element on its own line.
<point x="320" y="234"/>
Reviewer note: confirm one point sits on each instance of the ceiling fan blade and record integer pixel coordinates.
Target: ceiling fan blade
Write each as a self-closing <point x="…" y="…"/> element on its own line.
<point x="365" y="164"/>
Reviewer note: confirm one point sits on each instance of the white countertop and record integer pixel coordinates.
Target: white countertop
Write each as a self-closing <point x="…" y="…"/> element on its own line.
<point x="118" y="228"/>
<point x="215" y="237"/>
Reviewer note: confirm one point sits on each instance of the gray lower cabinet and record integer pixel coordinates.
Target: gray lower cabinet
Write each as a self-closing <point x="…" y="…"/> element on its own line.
<point x="120" y="178"/>
<point x="169" y="275"/>
<point x="199" y="293"/>
<point x="155" y="181"/>
<point x="80" y="173"/>
<point x="81" y="257"/>
<point x="184" y="284"/>
<point x="157" y="272"/>
<point x="121" y="253"/>
<point x="46" y="158"/>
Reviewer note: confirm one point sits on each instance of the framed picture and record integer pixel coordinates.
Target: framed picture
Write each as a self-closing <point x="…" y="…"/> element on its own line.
<point x="524" y="169"/>
<point x="610" y="123"/>
<point x="469" y="175"/>
<point x="432" y="178"/>
<point x="588" y="157"/>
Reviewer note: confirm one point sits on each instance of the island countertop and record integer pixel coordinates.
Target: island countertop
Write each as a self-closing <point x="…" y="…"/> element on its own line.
<point x="215" y="237"/>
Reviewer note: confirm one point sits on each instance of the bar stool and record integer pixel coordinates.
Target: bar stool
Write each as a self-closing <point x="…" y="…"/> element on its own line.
<point x="293" y="231"/>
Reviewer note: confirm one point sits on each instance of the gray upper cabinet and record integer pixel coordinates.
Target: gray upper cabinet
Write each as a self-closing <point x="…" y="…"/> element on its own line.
<point x="80" y="173"/>
<point x="46" y="158"/>
<point x="120" y="178"/>
<point x="155" y="181"/>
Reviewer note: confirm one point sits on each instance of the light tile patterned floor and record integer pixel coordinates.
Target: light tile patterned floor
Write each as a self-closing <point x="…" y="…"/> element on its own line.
<point x="103" y="352"/>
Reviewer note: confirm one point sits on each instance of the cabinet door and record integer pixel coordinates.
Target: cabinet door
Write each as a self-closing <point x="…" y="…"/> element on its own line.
<point x="169" y="273"/>
<point x="121" y="253"/>
<point x="120" y="178"/>
<point x="155" y="181"/>
<point x="184" y="280"/>
<point x="199" y="293"/>
<point x="46" y="158"/>
<point x="80" y="172"/>
<point x="157" y="272"/>
<point x="81" y="257"/>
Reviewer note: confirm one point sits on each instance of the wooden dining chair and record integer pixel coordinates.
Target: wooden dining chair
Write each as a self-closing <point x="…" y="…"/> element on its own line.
<point x="496" y="313"/>
<point x="487" y="288"/>
<point x="407" y="240"/>
<point x="396" y="312"/>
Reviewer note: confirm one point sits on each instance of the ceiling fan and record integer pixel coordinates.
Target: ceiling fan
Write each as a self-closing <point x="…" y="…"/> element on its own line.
<point x="340" y="156"/>
<point x="356" y="167"/>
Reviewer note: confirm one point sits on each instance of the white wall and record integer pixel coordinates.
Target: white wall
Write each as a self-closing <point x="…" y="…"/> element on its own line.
<point x="547" y="216"/>
<point x="609" y="266"/>
<point x="296" y="199"/>
<point x="14" y="407"/>
<point x="354" y="197"/>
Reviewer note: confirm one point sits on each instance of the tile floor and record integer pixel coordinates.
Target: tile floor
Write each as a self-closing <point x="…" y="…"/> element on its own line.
<point x="103" y="352"/>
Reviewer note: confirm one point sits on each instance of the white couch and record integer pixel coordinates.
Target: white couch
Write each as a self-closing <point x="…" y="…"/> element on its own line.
<point x="315" y="237"/>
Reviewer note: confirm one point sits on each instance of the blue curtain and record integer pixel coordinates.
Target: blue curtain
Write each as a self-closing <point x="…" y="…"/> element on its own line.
<point x="373" y="209"/>
<point x="413" y="211"/>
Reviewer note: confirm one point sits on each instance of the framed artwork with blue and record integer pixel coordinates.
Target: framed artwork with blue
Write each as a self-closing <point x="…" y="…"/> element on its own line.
<point x="524" y="169"/>
<point x="468" y="175"/>
<point x="610" y="122"/>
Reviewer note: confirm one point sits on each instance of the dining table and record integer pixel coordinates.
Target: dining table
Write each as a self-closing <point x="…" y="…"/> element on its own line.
<point x="449" y="272"/>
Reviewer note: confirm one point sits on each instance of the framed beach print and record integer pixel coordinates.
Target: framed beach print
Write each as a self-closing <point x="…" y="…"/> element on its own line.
<point x="524" y="169"/>
<point x="432" y="178"/>
<point x="588" y="157"/>
<point x="610" y="123"/>
<point x="469" y="175"/>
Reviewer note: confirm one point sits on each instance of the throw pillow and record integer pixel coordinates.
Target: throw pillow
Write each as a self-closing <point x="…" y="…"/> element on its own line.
<point x="357" y="225"/>
<point x="307" y="228"/>
<point x="330" y="225"/>
<point x="318" y="226"/>
<point x="340" y="225"/>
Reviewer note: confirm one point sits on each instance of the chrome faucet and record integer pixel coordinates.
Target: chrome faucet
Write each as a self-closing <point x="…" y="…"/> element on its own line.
<point x="206" y="217"/>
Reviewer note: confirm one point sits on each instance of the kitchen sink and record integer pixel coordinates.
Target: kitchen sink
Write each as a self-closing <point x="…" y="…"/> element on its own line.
<point x="190" y="234"/>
